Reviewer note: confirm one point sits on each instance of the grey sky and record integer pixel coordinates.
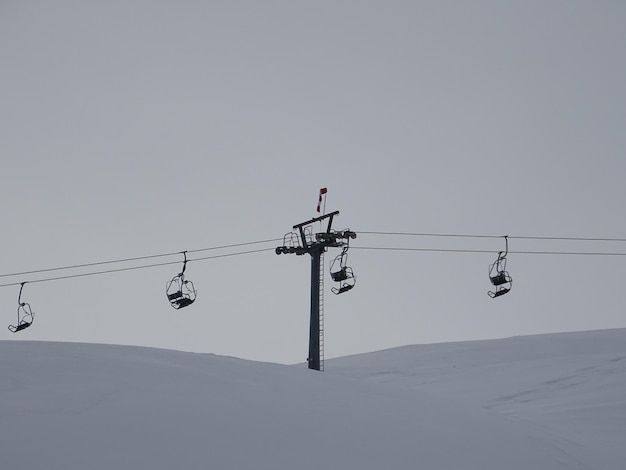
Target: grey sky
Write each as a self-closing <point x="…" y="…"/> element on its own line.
<point x="137" y="128"/>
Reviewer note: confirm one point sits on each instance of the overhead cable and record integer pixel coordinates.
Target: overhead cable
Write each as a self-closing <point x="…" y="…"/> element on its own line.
<point x="452" y="250"/>
<point x="131" y="268"/>
<point x="379" y="248"/>
<point x="460" y="235"/>
<point x="138" y="258"/>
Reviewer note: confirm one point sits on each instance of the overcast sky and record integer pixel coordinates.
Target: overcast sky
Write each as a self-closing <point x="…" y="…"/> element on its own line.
<point x="135" y="128"/>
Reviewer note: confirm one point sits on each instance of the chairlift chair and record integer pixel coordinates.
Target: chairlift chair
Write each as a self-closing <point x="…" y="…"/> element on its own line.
<point x="499" y="276"/>
<point x="347" y="280"/>
<point x="180" y="292"/>
<point x="25" y="315"/>
<point x="342" y="274"/>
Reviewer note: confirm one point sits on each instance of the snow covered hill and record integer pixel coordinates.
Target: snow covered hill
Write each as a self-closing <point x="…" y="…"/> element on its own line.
<point x="573" y="384"/>
<point x="540" y="402"/>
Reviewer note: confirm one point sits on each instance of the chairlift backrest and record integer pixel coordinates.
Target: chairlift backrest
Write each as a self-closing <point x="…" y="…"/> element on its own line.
<point x="340" y="275"/>
<point x="175" y="295"/>
<point x="500" y="278"/>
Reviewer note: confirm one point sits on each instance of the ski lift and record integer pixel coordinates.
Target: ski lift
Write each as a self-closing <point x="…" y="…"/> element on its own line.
<point x="25" y="315"/>
<point x="180" y="292"/>
<point x="498" y="274"/>
<point x="341" y="273"/>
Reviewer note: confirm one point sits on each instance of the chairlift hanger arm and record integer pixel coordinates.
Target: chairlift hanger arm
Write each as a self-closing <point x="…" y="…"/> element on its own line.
<point x="184" y="263"/>
<point x="506" y="249"/>
<point x="19" y="297"/>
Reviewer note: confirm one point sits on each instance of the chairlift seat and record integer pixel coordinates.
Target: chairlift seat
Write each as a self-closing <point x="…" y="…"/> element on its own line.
<point x="182" y="302"/>
<point x="342" y="289"/>
<point x="498" y="292"/>
<point x="22" y="326"/>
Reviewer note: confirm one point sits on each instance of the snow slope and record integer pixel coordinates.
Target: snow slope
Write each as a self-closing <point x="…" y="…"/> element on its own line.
<point x="572" y="384"/>
<point x="521" y="403"/>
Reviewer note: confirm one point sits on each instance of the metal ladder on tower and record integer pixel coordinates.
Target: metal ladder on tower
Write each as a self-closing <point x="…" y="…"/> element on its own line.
<point x="321" y="307"/>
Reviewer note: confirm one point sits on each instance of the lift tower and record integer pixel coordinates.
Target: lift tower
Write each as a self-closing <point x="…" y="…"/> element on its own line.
<point x="302" y="243"/>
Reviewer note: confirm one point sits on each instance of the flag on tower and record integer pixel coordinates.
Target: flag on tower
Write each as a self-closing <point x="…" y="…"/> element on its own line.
<point x="319" y="201"/>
